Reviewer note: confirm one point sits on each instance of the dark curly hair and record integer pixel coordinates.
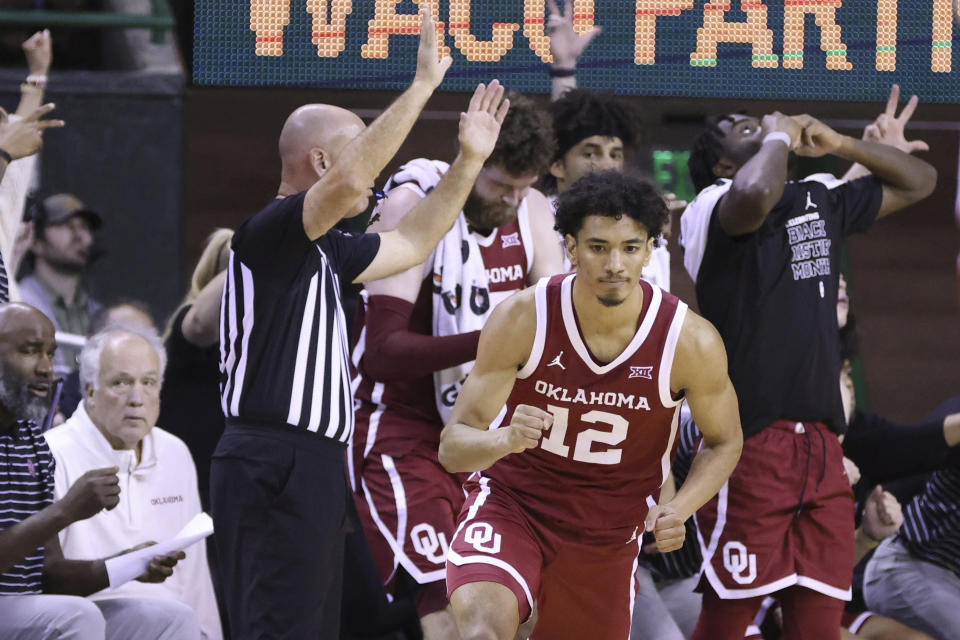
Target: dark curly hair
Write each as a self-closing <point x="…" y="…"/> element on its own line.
<point x="525" y="145"/>
<point x="706" y="152"/>
<point x="579" y="114"/>
<point x="613" y="194"/>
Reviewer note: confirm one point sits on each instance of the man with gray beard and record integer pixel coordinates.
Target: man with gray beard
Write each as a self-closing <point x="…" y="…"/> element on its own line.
<point x="31" y="562"/>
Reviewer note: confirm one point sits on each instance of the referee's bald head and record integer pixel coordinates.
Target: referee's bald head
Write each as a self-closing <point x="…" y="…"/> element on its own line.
<point x="311" y="140"/>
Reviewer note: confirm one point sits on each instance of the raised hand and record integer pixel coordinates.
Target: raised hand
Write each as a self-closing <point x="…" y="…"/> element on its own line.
<point x="889" y="127"/>
<point x="480" y="124"/>
<point x="525" y="428"/>
<point x="24" y="136"/>
<point x="94" y="491"/>
<point x="882" y="514"/>
<point x="667" y="527"/>
<point x="430" y="67"/>
<point x="38" y="50"/>
<point x="816" y="138"/>
<point x="566" y="45"/>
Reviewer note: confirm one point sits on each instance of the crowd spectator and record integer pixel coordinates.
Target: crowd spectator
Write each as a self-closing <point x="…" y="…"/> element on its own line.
<point x="55" y="280"/>
<point x="41" y="592"/>
<point x="121" y="372"/>
<point x="189" y="400"/>
<point x="128" y="312"/>
<point x="190" y="397"/>
<point x="21" y="136"/>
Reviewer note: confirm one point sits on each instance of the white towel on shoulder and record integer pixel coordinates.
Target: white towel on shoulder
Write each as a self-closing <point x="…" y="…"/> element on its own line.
<point x="461" y="299"/>
<point x="461" y="304"/>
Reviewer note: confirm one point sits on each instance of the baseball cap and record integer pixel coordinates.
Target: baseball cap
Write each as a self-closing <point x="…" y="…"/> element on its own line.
<point x="61" y="207"/>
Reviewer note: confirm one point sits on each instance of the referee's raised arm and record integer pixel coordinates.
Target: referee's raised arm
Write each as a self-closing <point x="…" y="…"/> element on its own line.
<point x="424" y="226"/>
<point x="354" y="156"/>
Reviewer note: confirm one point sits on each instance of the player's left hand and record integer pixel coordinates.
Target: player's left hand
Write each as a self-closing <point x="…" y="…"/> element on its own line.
<point x="480" y="124"/>
<point x="667" y="527"/>
<point x="816" y="138"/>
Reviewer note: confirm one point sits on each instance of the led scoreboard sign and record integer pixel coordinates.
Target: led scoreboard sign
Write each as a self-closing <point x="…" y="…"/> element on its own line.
<point x="803" y="49"/>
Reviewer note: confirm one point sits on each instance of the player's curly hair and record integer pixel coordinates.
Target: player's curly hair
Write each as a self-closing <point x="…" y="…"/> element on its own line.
<point x="579" y="114"/>
<point x="525" y="145"/>
<point x="706" y="152"/>
<point x="613" y="194"/>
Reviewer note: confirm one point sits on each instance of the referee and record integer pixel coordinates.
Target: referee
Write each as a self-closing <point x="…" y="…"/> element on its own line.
<point x="278" y="483"/>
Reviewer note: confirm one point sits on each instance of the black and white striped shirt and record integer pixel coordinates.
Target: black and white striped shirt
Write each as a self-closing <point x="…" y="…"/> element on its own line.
<point x="283" y="335"/>
<point x="931" y="522"/>
<point x="4" y="282"/>
<point x="26" y="487"/>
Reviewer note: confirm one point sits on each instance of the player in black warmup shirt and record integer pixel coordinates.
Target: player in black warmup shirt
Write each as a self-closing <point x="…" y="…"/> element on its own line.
<point x="765" y="256"/>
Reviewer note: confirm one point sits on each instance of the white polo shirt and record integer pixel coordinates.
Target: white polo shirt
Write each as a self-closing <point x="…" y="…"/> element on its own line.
<point x="158" y="497"/>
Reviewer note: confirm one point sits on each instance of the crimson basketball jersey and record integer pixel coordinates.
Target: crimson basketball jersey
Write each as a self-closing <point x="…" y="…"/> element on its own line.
<point x="402" y="413"/>
<point x="600" y="466"/>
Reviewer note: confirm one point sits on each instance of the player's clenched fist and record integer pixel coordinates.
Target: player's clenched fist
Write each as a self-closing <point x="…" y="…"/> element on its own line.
<point x="667" y="527"/>
<point x="525" y="428"/>
<point x="94" y="491"/>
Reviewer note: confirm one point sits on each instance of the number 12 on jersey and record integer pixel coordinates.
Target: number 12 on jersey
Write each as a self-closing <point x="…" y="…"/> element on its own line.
<point x="614" y="434"/>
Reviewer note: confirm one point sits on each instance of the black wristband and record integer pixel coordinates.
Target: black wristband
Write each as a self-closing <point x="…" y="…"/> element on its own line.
<point x="6" y="157"/>
<point x="560" y="72"/>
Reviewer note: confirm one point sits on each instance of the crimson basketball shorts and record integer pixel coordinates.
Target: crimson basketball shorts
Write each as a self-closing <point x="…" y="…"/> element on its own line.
<point x="409" y="505"/>
<point x="581" y="590"/>
<point x="784" y="517"/>
<point x="852" y="621"/>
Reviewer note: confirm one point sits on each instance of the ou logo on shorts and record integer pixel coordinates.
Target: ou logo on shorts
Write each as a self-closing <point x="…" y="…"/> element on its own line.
<point x="481" y="535"/>
<point x="428" y="543"/>
<point x="736" y="560"/>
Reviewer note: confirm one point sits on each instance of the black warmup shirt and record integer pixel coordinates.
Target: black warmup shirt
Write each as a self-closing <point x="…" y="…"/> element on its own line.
<point x="772" y="294"/>
<point x="283" y="336"/>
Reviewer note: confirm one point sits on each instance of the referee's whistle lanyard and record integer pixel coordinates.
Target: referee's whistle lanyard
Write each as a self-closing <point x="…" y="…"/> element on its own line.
<point x="823" y="463"/>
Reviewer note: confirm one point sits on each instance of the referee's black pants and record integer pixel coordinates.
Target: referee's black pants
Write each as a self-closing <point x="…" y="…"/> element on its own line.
<point x="279" y="502"/>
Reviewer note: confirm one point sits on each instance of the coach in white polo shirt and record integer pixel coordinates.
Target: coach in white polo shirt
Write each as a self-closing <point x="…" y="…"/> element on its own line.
<point x="121" y="372"/>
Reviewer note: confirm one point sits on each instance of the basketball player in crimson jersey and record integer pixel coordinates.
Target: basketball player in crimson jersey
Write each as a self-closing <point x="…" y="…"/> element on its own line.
<point x="588" y="371"/>
<point x="408" y="341"/>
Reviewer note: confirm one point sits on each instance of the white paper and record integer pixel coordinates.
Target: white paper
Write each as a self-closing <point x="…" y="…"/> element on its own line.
<point x="124" y="568"/>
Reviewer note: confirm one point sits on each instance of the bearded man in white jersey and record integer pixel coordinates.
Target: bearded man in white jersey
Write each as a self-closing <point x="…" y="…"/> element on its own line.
<point x="420" y="332"/>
